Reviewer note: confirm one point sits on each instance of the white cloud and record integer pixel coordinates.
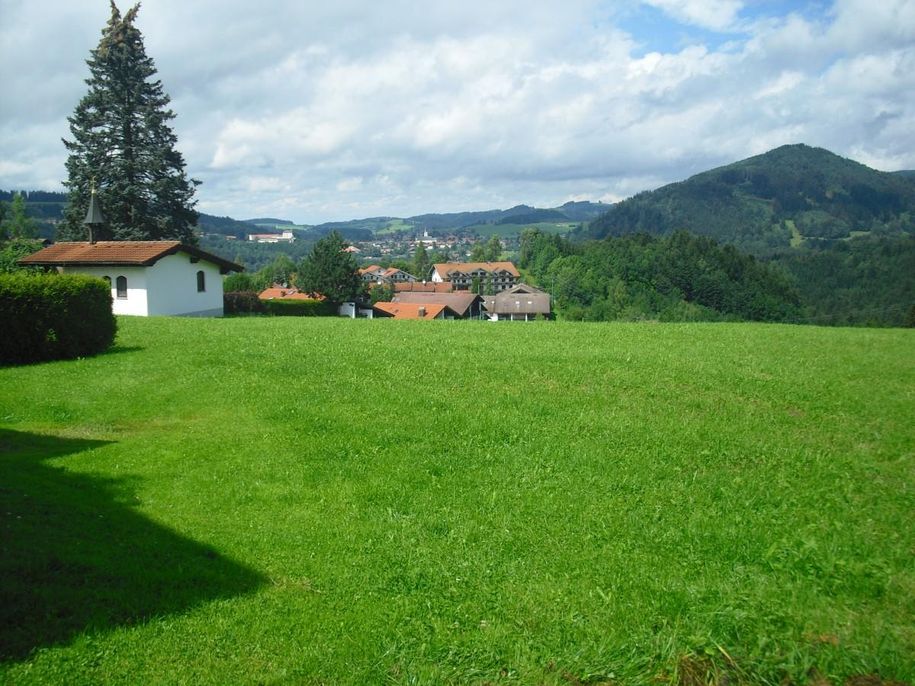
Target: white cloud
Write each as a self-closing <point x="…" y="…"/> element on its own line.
<point x="347" y="109"/>
<point x="718" y="15"/>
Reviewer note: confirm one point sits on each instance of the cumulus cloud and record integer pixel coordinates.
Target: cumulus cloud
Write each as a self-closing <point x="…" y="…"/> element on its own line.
<point x="356" y="109"/>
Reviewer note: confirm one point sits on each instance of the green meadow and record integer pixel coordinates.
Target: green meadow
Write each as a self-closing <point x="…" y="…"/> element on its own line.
<point x="324" y="501"/>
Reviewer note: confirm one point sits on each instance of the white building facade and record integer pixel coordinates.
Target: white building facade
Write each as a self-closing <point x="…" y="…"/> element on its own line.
<point x="147" y="278"/>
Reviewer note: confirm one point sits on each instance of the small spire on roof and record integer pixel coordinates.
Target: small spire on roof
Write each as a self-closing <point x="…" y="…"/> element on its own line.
<point x="94" y="216"/>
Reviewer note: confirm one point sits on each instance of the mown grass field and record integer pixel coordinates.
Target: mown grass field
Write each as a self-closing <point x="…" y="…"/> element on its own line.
<point x="358" y="502"/>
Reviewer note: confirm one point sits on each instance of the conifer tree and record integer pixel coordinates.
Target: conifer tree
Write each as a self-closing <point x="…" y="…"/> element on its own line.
<point x="122" y="142"/>
<point x="331" y="271"/>
<point x="421" y="264"/>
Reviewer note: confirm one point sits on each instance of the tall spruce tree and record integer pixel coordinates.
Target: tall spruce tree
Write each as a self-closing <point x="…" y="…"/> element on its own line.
<point x="122" y="143"/>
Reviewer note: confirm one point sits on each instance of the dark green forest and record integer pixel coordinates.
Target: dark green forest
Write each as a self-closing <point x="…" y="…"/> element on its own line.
<point x="864" y="281"/>
<point x="686" y="277"/>
<point x="680" y="277"/>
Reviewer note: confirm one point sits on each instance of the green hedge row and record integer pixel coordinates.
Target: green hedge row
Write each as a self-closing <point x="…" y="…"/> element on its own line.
<point x="300" y="308"/>
<point x="54" y="317"/>
<point x="242" y="302"/>
<point x="247" y="302"/>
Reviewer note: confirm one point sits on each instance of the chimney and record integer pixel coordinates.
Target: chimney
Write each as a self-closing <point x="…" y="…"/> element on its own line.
<point x="421" y="311"/>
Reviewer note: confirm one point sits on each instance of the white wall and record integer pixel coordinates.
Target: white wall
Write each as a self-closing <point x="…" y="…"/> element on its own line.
<point x="172" y="287"/>
<point x="136" y="302"/>
<point x="168" y="287"/>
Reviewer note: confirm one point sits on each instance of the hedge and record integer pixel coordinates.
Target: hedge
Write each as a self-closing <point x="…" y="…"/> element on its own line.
<point x="242" y="302"/>
<point x="54" y="317"/>
<point x="300" y="308"/>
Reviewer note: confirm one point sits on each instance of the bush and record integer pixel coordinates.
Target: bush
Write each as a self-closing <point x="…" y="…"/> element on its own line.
<point x="300" y="308"/>
<point x="54" y="317"/>
<point x="242" y="302"/>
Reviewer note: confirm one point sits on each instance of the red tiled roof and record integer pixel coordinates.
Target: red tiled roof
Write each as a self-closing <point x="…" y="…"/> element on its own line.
<point x="460" y="302"/>
<point x="287" y="294"/>
<point x="126" y="253"/>
<point x="410" y="310"/>
<point x="428" y="287"/>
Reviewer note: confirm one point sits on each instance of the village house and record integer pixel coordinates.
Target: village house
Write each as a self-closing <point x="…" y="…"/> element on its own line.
<point x="399" y="310"/>
<point x="521" y="302"/>
<point x="146" y="277"/>
<point x="285" y="237"/>
<point x="464" y="305"/>
<point x="381" y="275"/>
<point x="498" y="276"/>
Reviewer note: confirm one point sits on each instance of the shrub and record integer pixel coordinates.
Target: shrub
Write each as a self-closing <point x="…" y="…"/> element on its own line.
<point x="54" y="317"/>
<point x="242" y="302"/>
<point x="300" y="308"/>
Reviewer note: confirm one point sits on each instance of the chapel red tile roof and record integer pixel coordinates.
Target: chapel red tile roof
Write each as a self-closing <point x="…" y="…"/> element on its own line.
<point x="120" y="253"/>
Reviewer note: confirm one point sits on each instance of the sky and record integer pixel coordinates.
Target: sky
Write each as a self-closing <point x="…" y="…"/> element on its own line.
<point x="323" y="111"/>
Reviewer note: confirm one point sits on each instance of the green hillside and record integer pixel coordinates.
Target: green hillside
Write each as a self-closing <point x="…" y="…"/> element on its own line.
<point x="298" y="501"/>
<point x="760" y="203"/>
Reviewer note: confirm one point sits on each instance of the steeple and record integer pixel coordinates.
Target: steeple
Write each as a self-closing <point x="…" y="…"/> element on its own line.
<point x="94" y="215"/>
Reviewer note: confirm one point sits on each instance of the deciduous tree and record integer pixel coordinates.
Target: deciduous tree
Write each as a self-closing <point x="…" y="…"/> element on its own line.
<point x="18" y="224"/>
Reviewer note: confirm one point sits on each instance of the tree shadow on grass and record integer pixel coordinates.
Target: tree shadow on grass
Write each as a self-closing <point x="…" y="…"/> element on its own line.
<point x="75" y="557"/>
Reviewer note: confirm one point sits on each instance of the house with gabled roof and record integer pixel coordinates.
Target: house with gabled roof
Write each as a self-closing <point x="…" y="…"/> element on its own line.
<point x="371" y="274"/>
<point x="465" y="305"/>
<point x="399" y="310"/>
<point x="381" y="275"/>
<point x="146" y="277"/>
<point x="521" y="302"/>
<point x="498" y="276"/>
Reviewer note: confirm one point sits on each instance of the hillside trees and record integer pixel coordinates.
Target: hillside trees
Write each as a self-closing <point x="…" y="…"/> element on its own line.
<point x="15" y="223"/>
<point x="330" y="271"/>
<point x="123" y="144"/>
<point x="490" y="251"/>
<point x="676" y="278"/>
<point x="751" y="203"/>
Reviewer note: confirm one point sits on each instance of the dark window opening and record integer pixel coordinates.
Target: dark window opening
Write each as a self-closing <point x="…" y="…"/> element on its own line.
<point x="121" y="284"/>
<point x="201" y="282"/>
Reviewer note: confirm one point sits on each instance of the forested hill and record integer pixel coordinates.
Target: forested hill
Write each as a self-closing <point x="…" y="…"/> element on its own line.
<point x="771" y="202"/>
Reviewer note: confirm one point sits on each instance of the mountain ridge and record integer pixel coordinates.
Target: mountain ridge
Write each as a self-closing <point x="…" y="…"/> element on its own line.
<point x="770" y="202"/>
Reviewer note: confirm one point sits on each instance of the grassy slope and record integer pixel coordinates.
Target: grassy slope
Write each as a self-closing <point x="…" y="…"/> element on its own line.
<point x="330" y="501"/>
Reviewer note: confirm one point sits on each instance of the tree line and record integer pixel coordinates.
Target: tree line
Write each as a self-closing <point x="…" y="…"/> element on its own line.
<point x="680" y="277"/>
